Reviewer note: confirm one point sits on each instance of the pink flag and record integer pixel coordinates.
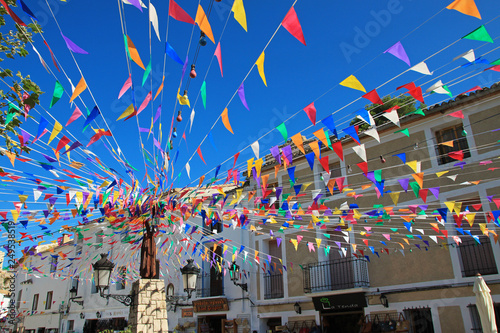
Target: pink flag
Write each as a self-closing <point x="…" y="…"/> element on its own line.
<point x="126" y="86"/>
<point x="457" y="114"/>
<point x="145" y="102"/>
<point x="219" y="57"/>
<point x="76" y="114"/>
<point x="292" y="25"/>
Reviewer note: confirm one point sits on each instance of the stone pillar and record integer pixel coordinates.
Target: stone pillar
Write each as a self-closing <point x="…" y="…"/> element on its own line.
<point x="149" y="312"/>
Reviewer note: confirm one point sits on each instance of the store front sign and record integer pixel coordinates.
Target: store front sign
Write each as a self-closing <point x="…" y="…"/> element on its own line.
<point x="187" y="312"/>
<point x="340" y="303"/>
<point x="211" y="305"/>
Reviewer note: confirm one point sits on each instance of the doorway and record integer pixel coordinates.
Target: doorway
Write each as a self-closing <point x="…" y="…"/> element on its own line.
<point x="342" y="322"/>
<point x="210" y="324"/>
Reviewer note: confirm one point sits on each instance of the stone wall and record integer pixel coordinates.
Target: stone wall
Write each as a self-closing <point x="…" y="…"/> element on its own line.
<point x="148" y="314"/>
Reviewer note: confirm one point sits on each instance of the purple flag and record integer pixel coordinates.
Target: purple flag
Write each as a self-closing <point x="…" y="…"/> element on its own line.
<point x="72" y="46"/>
<point x="398" y="51"/>
<point x="184" y="68"/>
<point x="275" y="151"/>
<point x="241" y="94"/>
<point x="136" y="4"/>
<point x="26" y="136"/>
<point x="435" y="192"/>
<point x="278" y="241"/>
<point x="287" y="150"/>
<point x="158" y="113"/>
<point x="404" y="183"/>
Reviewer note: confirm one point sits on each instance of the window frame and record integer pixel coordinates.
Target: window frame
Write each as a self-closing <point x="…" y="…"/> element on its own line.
<point x="48" y="302"/>
<point x="34" y="306"/>
<point x="459" y="143"/>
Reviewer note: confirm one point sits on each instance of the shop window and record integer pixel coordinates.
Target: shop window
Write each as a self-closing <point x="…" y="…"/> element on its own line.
<point x="48" y="300"/>
<point x="335" y="172"/>
<point x="454" y="134"/>
<point x="34" y="307"/>
<point x="476" y="319"/>
<point x="120" y="283"/>
<point x="475" y="253"/>
<point x="53" y="263"/>
<point x="420" y="320"/>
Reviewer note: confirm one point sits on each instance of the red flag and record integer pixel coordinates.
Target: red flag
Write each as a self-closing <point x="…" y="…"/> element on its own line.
<point x="178" y="13"/>
<point x="423" y="194"/>
<point x="12" y="14"/>
<point x="457" y="114"/>
<point x="292" y="25"/>
<point x="201" y="156"/>
<point x="219" y="57"/>
<point x="373" y="97"/>
<point x="235" y="158"/>
<point x="457" y="155"/>
<point x="52" y="55"/>
<point x="63" y="142"/>
<point x="324" y="163"/>
<point x="311" y="112"/>
<point x="364" y="167"/>
<point x="417" y="94"/>
<point x="337" y="148"/>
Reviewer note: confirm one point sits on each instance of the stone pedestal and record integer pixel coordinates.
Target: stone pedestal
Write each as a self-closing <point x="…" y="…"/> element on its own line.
<point x="149" y="312"/>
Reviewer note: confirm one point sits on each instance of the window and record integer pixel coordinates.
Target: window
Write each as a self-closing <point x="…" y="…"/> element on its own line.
<point x="19" y="298"/>
<point x="53" y="263"/>
<point x="420" y="320"/>
<point x="454" y="134"/>
<point x="34" y="307"/>
<point x="99" y="239"/>
<point x="335" y="172"/>
<point x="476" y="320"/>
<point x="274" y="282"/>
<point x="476" y="253"/>
<point x="170" y="289"/>
<point x="120" y="283"/>
<point x="48" y="300"/>
<point x="71" y="325"/>
<point x="75" y="283"/>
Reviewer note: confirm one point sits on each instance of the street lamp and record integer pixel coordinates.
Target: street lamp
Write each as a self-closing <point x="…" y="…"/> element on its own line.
<point x="297" y="308"/>
<point x="384" y="301"/>
<point x="102" y="275"/>
<point x="189" y="276"/>
<point x="235" y="269"/>
<point x="73" y="297"/>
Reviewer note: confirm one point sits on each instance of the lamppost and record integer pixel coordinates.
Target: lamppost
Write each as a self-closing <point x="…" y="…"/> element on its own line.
<point x="102" y="275"/>
<point x="73" y="297"/>
<point x="235" y="270"/>
<point x="189" y="279"/>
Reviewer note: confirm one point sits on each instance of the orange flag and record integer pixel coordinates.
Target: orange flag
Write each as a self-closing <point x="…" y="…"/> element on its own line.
<point x="225" y="120"/>
<point x="80" y="87"/>
<point x="467" y="7"/>
<point x="419" y="178"/>
<point x="202" y="21"/>
<point x="297" y="140"/>
<point x="320" y="134"/>
<point x="134" y="54"/>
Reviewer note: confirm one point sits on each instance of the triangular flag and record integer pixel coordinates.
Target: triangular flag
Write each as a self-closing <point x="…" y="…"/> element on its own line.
<point x="202" y="21"/>
<point x="480" y="34"/>
<point x="134" y="54"/>
<point x="58" y="92"/>
<point x="72" y="46"/>
<point x="76" y="114"/>
<point x="80" y="87"/>
<point x="310" y="110"/>
<point x="421" y="68"/>
<point x="352" y="82"/>
<point x="225" y="121"/>
<point x="297" y="140"/>
<point x="373" y="97"/>
<point x="282" y="129"/>
<point x="292" y="25"/>
<point x="255" y="148"/>
<point x="219" y="57"/>
<point x="126" y="86"/>
<point x="467" y="7"/>
<point x="241" y="94"/>
<point x="260" y="67"/>
<point x="201" y="156"/>
<point x="153" y="18"/>
<point x="399" y="52"/>
<point x="239" y="13"/>
<point x="57" y="128"/>
<point x="457" y="114"/>
<point x="178" y="13"/>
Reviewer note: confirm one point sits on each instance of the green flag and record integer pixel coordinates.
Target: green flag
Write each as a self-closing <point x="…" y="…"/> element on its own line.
<point x="404" y="131"/>
<point x="479" y="34"/>
<point x="146" y="73"/>
<point x="415" y="187"/>
<point x="282" y="128"/>
<point x="378" y="175"/>
<point x="58" y="92"/>
<point x="419" y="111"/>
<point x="203" y="91"/>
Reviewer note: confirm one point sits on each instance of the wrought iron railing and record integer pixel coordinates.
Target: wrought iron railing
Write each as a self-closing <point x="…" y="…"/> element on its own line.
<point x="344" y="273"/>
<point x="273" y="286"/>
<point x="210" y="284"/>
<point x="477" y="258"/>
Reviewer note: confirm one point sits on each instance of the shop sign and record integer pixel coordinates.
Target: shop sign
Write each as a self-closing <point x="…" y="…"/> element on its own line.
<point x="187" y="312"/>
<point x="211" y="305"/>
<point x="340" y="303"/>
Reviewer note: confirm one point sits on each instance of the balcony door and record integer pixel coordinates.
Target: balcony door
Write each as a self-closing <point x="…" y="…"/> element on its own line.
<point x="341" y="269"/>
<point x="216" y="281"/>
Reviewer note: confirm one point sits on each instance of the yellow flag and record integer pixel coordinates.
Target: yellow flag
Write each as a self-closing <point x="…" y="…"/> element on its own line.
<point x="352" y="82"/>
<point x="80" y="87"/>
<point x="239" y="13"/>
<point x="57" y="128"/>
<point x="202" y="21"/>
<point x="127" y="112"/>
<point x="183" y="100"/>
<point x="260" y="67"/>
<point x="258" y="166"/>
<point x="11" y="156"/>
<point x="413" y="165"/>
<point x="318" y="242"/>
<point x="470" y="218"/>
<point x="439" y="174"/>
<point x="249" y="167"/>
<point x="450" y="205"/>
<point x="395" y="197"/>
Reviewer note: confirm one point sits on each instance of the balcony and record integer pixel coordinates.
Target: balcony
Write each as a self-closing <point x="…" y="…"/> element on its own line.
<point x="210" y="285"/>
<point x="273" y="286"/>
<point x="345" y="273"/>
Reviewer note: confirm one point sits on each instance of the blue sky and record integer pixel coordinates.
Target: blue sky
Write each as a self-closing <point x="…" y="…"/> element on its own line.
<point x="343" y="38"/>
